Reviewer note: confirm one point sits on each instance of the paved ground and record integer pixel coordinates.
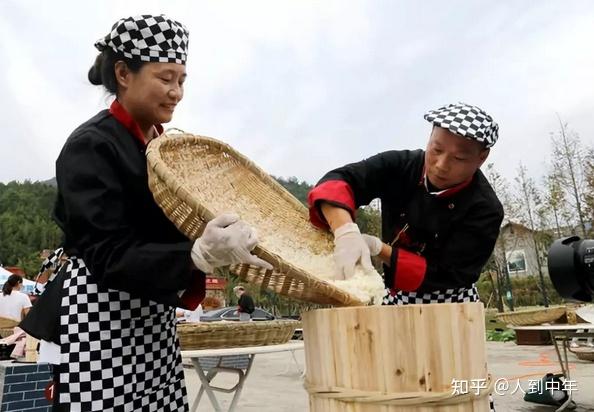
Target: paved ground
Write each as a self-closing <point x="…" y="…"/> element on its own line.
<point x="275" y="384"/>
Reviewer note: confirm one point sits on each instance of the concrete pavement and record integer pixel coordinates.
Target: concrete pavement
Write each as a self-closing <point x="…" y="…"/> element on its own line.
<point x="275" y="384"/>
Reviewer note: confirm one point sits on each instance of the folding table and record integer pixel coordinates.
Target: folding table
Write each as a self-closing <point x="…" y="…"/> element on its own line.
<point x="242" y="369"/>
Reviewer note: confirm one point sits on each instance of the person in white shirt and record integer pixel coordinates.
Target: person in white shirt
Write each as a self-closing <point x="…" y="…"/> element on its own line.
<point x="14" y="304"/>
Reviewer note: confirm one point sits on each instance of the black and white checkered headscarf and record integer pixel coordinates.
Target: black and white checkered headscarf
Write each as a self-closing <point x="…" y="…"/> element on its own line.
<point x="148" y="38"/>
<point x="465" y="120"/>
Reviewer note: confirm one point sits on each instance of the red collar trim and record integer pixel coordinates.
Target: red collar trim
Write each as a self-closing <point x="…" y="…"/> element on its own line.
<point x="122" y="116"/>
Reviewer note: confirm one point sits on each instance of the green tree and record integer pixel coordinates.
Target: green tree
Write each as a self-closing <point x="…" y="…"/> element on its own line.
<point x="554" y="200"/>
<point x="26" y="224"/>
<point x="567" y="161"/>
<point x="498" y="260"/>
<point x="529" y="197"/>
<point x="589" y="190"/>
<point x="298" y="188"/>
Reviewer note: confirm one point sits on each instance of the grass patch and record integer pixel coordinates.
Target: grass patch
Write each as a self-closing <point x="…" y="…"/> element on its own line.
<point x="496" y="330"/>
<point x="497" y="336"/>
<point x="492" y="323"/>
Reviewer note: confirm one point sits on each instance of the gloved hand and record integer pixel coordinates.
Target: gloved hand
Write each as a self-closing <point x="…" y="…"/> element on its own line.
<point x="349" y="249"/>
<point x="226" y="240"/>
<point x="373" y="243"/>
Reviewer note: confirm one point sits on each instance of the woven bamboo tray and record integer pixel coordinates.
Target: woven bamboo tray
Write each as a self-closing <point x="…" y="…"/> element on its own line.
<point x="218" y="335"/>
<point x="583" y="353"/>
<point x="7" y="323"/>
<point x="5" y="332"/>
<point x="532" y="317"/>
<point x="194" y="178"/>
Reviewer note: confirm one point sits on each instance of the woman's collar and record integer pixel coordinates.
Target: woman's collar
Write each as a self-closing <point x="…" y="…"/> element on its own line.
<point x="121" y="114"/>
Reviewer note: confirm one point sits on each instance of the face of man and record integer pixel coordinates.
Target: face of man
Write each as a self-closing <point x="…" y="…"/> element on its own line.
<point x="451" y="159"/>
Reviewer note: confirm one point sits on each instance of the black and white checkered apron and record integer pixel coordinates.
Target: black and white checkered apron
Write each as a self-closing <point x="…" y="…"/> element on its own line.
<point x="117" y="353"/>
<point x="459" y="295"/>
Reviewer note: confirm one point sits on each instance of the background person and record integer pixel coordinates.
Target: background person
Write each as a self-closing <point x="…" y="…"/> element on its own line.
<point x="14" y="304"/>
<point x="245" y="303"/>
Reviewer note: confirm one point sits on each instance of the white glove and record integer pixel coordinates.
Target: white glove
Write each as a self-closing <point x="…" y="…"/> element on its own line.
<point x="349" y="249"/>
<point x="373" y="243"/>
<point x="226" y="241"/>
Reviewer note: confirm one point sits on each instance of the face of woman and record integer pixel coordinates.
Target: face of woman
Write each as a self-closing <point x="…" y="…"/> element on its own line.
<point x="152" y="93"/>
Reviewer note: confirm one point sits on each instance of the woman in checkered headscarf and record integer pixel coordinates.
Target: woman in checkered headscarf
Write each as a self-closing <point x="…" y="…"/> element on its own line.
<point x="107" y="318"/>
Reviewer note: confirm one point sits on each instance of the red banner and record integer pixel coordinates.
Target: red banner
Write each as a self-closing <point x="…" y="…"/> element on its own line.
<point x="215" y="283"/>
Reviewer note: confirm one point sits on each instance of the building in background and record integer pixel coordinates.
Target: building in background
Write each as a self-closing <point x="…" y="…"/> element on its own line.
<point x="215" y="288"/>
<point x="516" y="242"/>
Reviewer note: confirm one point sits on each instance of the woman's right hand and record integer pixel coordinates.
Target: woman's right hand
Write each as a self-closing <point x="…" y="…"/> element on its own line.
<point x="226" y="240"/>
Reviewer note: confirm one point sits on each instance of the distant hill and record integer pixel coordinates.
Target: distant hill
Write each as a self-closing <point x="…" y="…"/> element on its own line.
<point x="298" y="188"/>
<point x="27" y="227"/>
<point x="51" y="182"/>
<point x="26" y="224"/>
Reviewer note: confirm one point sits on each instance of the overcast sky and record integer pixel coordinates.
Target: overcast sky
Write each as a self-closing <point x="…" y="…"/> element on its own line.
<point x="304" y="86"/>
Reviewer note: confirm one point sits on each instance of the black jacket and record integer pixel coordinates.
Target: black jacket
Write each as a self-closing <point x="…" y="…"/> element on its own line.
<point x="246" y="304"/>
<point x="109" y="216"/>
<point x="448" y="237"/>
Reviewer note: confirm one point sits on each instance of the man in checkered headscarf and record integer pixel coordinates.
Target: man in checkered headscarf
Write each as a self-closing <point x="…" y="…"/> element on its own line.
<point x="460" y="140"/>
<point x="466" y="121"/>
<point x="440" y="216"/>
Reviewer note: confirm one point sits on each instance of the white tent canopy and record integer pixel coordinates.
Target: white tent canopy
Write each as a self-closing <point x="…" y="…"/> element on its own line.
<point x="28" y="285"/>
<point x="4" y="274"/>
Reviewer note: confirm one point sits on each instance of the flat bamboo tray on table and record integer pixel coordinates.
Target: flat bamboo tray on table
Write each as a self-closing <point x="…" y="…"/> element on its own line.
<point x="532" y="316"/>
<point x="210" y="335"/>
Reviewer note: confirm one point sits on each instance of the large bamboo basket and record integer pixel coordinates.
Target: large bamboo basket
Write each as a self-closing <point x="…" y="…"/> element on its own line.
<point x="396" y="358"/>
<point x="5" y="332"/>
<point x="532" y="317"/>
<point x="216" y="335"/>
<point x="195" y="178"/>
<point x="583" y="353"/>
<point x="7" y="323"/>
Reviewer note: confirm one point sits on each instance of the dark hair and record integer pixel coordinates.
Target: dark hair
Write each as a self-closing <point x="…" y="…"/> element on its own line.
<point x="10" y="283"/>
<point x="102" y="71"/>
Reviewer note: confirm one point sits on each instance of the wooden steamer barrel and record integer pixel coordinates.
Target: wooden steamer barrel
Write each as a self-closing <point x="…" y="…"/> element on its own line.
<point x="396" y="358"/>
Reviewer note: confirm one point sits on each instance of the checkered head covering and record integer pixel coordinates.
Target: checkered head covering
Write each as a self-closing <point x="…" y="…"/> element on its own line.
<point x="465" y="120"/>
<point x="148" y="38"/>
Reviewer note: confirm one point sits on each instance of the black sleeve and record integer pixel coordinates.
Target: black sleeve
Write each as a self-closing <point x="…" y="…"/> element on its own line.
<point x="246" y="304"/>
<point x="97" y="221"/>
<point x="378" y="175"/>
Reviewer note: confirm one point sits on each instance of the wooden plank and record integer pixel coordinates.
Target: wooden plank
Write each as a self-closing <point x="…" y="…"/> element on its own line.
<point x="391" y="349"/>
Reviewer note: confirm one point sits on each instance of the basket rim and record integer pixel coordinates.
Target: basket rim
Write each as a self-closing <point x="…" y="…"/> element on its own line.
<point x="225" y="324"/>
<point x="531" y="311"/>
<point x="582" y="353"/>
<point x="166" y="175"/>
<point x="532" y="316"/>
<point x="232" y="334"/>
